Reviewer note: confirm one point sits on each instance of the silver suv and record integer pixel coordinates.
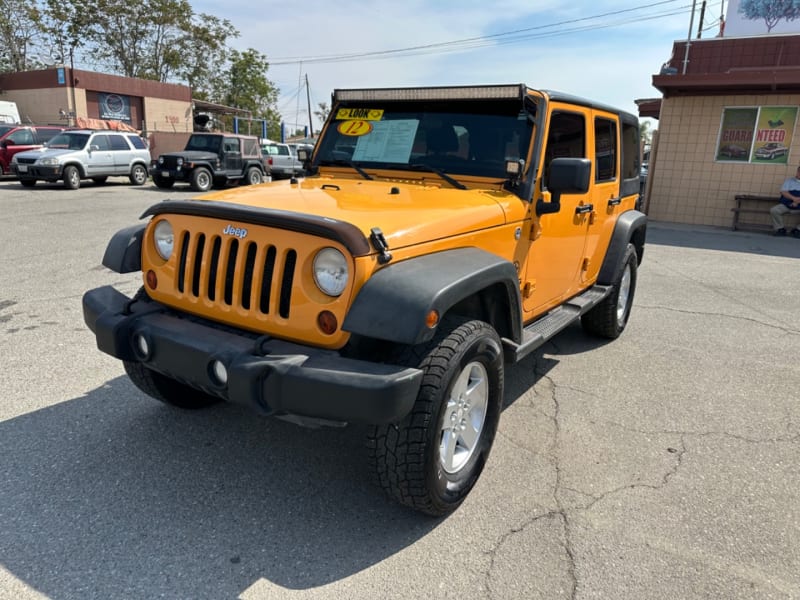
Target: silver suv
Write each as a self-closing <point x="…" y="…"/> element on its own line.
<point x="84" y="154"/>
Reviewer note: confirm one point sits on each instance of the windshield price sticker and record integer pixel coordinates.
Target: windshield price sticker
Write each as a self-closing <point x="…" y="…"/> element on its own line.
<point x="354" y="128"/>
<point x="359" y="114"/>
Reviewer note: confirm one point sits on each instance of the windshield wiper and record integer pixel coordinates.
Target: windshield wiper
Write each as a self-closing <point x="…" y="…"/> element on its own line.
<point x="350" y="164"/>
<point x="439" y="172"/>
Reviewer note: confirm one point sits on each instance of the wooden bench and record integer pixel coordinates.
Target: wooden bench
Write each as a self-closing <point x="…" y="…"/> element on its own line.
<point x="755" y="204"/>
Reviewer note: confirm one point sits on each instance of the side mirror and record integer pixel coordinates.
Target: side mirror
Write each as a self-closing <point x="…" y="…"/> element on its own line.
<point x="567" y="176"/>
<point x="94" y="147"/>
<point x="304" y="154"/>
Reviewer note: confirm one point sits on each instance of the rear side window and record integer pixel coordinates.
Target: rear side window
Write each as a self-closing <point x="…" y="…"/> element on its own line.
<point x="137" y="142"/>
<point x="605" y="149"/>
<point x="118" y="142"/>
<point x="45" y="134"/>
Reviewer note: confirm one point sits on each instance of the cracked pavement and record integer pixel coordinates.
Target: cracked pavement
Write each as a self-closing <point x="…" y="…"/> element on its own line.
<point x="665" y="464"/>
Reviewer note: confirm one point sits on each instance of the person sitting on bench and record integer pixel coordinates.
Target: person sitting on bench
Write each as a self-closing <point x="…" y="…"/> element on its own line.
<point x="789" y="202"/>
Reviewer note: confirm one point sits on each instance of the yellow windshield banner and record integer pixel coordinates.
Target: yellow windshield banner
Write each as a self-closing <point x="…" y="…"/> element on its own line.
<point x="360" y="114"/>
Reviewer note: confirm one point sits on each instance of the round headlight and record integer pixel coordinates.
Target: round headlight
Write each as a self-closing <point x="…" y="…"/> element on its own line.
<point x="330" y="271"/>
<point x="179" y="161"/>
<point x="164" y="239"/>
<point x="161" y="160"/>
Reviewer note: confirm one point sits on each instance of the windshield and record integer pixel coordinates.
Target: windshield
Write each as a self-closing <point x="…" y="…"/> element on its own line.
<point x="5" y="130"/>
<point x="72" y="141"/>
<point x="204" y="143"/>
<point x="467" y="138"/>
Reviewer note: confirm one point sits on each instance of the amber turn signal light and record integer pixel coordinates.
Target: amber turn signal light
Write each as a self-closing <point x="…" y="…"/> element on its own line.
<point x="327" y="322"/>
<point x="151" y="279"/>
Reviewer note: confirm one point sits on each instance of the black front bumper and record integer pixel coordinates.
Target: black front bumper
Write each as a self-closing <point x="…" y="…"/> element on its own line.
<point x="171" y="173"/>
<point x="273" y="376"/>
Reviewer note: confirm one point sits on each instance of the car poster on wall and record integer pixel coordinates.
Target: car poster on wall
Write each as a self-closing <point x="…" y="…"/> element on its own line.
<point x="756" y="134"/>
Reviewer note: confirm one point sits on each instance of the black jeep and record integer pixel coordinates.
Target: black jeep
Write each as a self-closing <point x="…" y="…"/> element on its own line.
<point x="212" y="159"/>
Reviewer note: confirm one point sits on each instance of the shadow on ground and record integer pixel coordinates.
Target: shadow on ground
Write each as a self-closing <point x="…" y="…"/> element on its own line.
<point x="713" y="238"/>
<point x="113" y="495"/>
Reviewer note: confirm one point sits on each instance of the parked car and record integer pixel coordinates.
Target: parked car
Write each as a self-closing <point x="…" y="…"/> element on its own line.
<point x="771" y="150"/>
<point x="84" y="154"/>
<point x="20" y="138"/>
<point x="210" y="159"/>
<point x="282" y="159"/>
<point x="733" y="151"/>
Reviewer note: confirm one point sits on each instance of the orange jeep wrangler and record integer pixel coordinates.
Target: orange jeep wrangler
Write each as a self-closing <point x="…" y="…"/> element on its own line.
<point x="440" y="234"/>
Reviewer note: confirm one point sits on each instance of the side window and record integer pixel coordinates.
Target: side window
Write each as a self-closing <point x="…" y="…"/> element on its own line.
<point x="230" y="145"/>
<point x="45" y="135"/>
<point x="21" y="137"/>
<point x="137" y="142"/>
<point x="118" y="142"/>
<point x="630" y="151"/>
<point x="605" y="149"/>
<point x="101" y="141"/>
<point x="283" y="150"/>
<point x="565" y="139"/>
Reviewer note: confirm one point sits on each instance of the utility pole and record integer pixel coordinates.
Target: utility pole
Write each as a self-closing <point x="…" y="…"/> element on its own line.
<point x="689" y="38"/>
<point x="308" y="98"/>
<point x="702" y="16"/>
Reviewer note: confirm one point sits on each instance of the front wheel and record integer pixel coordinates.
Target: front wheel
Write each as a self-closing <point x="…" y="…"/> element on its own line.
<point x="167" y="390"/>
<point x="138" y="175"/>
<point x="609" y="318"/>
<point x="201" y="179"/>
<point x="163" y="182"/>
<point x="72" y="178"/>
<point x="432" y="459"/>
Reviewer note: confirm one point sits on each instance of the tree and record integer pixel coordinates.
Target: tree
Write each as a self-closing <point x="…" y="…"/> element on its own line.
<point x="244" y="85"/>
<point x="19" y="32"/>
<point x="322" y="111"/>
<point x="771" y="11"/>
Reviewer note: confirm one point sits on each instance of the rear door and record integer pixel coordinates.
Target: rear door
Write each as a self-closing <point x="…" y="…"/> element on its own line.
<point x="122" y="153"/>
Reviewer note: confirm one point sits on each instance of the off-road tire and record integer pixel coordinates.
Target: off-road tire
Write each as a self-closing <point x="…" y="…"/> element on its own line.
<point x="29" y="183"/>
<point x="407" y="456"/>
<point x="167" y="390"/>
<point x="138" y="175"/>
<point x="201" y="180"/>
<point x="253" y="176"/>
<point x="163" y="183"/>
<point x="72" y="177"/>
<point x="609" y="318"/>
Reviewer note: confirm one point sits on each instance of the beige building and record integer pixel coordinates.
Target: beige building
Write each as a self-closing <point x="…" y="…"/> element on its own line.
<point x="727" y="126"/>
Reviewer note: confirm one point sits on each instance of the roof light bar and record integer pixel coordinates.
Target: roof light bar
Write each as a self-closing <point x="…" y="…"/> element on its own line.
<point x="480" y="92"/>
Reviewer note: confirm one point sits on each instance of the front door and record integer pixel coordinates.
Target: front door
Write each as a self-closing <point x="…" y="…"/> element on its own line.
<point x="232" y="155"/>
<point x="558" y="240"/>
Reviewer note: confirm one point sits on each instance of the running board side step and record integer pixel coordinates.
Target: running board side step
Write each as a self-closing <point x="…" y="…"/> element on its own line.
<point x="546" y="327"/>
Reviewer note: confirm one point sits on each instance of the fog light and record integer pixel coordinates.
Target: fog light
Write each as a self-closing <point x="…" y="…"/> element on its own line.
<point x="142" y="347"/>
<point x="152" y="280"/>
<point x="219" y="373"/>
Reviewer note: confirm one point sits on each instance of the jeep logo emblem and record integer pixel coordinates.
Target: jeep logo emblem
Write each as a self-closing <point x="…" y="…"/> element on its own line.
<point x="240" y="233"/>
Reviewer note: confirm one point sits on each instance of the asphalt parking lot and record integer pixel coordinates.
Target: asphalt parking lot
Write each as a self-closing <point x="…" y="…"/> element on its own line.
<point x="665" y="464"/>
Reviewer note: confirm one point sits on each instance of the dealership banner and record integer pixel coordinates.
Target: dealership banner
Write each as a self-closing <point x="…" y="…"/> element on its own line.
<point x="756" y="134"/>
<point x="114" y="107"/>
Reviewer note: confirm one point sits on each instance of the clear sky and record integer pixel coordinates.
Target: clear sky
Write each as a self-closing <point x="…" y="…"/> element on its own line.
<point x="606" y="50"/>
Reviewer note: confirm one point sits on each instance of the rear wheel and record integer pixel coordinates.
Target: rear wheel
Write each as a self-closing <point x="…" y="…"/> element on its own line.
<point x="138" y="175"/>
<point x="72" y="177"/>
<point x="253" y="176"/>
<point x="163" y="182"/>
<point x="27" y="182"/>
<point x="201" y="179"/>
<point x="166" y="389"/>
<point x="433" y="457"/>
<point x="609" y="318"/>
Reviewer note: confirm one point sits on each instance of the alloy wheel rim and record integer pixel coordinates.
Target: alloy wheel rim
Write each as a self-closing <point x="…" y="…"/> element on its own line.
<point x="624" y="293"/>
<point x="464" y="417"/>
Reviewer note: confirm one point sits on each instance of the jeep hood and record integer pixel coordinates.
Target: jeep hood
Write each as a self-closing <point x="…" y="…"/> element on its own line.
<point x="192" y="154"/>
<point x="406" y="213"/>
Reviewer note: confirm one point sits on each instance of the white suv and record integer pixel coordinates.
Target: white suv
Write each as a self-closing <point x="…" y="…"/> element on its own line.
<point x="84" y="154"/>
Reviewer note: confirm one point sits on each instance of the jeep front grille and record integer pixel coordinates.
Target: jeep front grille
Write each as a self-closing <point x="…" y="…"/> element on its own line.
<point x="256" y="278"/>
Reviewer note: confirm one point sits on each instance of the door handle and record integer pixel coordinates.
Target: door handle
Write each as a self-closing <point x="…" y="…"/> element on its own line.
<point x="584" y="208"/>
<point x="615" y="201"/>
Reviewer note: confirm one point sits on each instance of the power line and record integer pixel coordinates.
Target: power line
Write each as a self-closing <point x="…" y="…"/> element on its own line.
<point x="507" y="37"/>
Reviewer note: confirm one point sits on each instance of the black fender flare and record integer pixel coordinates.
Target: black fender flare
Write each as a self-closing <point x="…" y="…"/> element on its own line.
<point x="124" y="251"/>
<point x="631" y="226"/>
<point x="393" y="304"/>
